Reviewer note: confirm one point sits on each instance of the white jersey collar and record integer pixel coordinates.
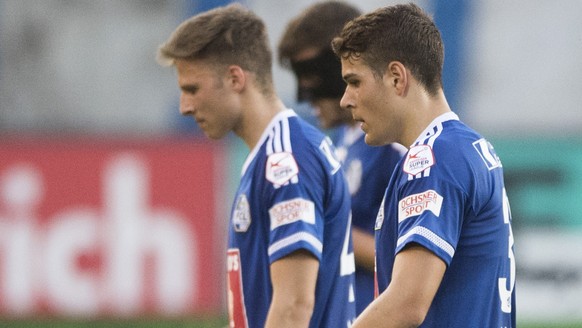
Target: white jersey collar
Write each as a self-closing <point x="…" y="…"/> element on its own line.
<point x="448" y="116"/>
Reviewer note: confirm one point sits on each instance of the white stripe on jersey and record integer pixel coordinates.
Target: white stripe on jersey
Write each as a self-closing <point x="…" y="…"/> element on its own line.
<point x="437" y="133"/>
<point x="270" y="135"/>
<point x="269" y="147"/>
<point x="286" y="136"/>
<point x="431" y="236"/>
<point x="279" y="139"/>
<point x="292" y="239"/>
<point x="430" y="138"/>
<point x="277" y="147"/>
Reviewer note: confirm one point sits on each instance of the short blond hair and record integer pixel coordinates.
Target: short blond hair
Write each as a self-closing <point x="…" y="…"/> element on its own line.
<point x="229" y="35"/>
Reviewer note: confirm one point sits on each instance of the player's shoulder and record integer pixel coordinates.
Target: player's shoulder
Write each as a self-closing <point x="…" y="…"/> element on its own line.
<point x="455" y="141"/>
<point x="309" y="144"/>
<point x="461" y="146"/>
<point x="293" y="146"/>
<point x="290" y="133"/>
<point x="448" y="144"/>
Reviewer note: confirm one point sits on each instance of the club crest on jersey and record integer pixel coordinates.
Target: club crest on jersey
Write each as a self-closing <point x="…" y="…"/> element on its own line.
<point x="241" y="217"/>
<point x="418" y="159"/>
<point x="416" y="204"/>
<point x="281" y="167"/>
<point x="487" y="153"/>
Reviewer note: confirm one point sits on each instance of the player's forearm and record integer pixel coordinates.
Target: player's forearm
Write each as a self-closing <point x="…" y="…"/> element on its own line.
<point x="363" y="249"/>
<point x="289" y="314"/>
<point x="293" y="277"/>
<point x="388" y="312"/>
<point x="416" y="277"/>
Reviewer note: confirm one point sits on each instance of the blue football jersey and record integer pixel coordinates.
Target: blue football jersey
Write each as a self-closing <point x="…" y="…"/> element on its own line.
<point x="292" y="196"/>
<point x="368" y="170"/>
<point x="448" y="195"/>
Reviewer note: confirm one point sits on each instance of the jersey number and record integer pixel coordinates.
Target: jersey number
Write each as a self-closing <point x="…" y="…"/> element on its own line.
<point x="347" y="264"/>
<point x="504" y="290"/>
<point x="237" y="316"/>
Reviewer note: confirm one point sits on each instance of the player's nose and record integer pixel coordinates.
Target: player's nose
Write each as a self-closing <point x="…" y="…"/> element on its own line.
<point x="347" y="102"/>
<point x="186" y="105"/>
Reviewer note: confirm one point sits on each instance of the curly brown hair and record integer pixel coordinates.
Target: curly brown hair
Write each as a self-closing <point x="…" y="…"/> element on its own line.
<point x="403" y="33"/>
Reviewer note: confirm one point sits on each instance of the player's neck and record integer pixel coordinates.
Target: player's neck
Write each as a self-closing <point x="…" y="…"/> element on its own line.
<point x="427" y="109"/>
<point x="258" y="112"/>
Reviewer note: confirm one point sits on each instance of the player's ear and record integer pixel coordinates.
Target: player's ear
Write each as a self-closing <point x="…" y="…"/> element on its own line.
<point x="236" y="77"/>
<point x="397" y="77"/>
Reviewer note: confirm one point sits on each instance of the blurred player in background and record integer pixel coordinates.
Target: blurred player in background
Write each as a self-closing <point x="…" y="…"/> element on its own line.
<point x="306" y="48"/>
<point x="444" y="246"/>
<point x="290" y="261"/>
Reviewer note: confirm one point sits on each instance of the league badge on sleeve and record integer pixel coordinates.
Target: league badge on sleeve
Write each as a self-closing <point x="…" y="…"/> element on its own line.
<point x="281" y="168"/>
<point x="241" y="218"/>
<point x="418" y="159"/>
<point x="487" y="153"/>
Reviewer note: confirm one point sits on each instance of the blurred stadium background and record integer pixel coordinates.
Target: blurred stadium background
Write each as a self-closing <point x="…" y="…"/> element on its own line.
<point x="112" y="206"/>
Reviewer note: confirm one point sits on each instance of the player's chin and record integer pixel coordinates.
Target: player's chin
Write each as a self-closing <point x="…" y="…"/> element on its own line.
<point x="214" y="134"/>
<point x="371" y="140"/>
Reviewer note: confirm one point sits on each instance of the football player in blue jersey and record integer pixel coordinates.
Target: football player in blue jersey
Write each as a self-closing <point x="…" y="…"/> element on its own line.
<point x="305" y="48"/>
<point x="444" y="244"/>
<point x="290" y="260"/>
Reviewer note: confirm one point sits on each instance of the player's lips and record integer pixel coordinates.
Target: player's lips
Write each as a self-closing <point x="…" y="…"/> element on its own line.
<point x="363" y="126"/>
<point x="201" y="122"/>
<point x="362" y="123"/>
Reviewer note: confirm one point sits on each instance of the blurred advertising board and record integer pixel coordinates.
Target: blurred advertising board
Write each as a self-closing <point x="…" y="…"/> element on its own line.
<point x="92" y="227"/>
<point x="544" y="185"/>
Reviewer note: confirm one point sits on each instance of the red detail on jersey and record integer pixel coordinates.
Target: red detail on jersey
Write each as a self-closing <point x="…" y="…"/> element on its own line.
<point x="277" y="163"/>
<point x="237" y="314"/>
<point x="415" y="155"/>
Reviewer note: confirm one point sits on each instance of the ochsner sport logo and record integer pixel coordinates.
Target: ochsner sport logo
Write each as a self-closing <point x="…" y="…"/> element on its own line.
<point x="416" y="204"/>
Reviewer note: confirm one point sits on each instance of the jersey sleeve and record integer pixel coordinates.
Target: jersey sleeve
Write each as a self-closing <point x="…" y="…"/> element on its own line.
<point x="295" y="209"/>
<point x="430" y="214"/>
<point x="431" y="208"/>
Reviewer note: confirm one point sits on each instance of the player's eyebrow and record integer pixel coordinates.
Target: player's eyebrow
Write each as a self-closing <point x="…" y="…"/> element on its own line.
<point x="349" y="76"/>
<point x="191" y="88"/>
